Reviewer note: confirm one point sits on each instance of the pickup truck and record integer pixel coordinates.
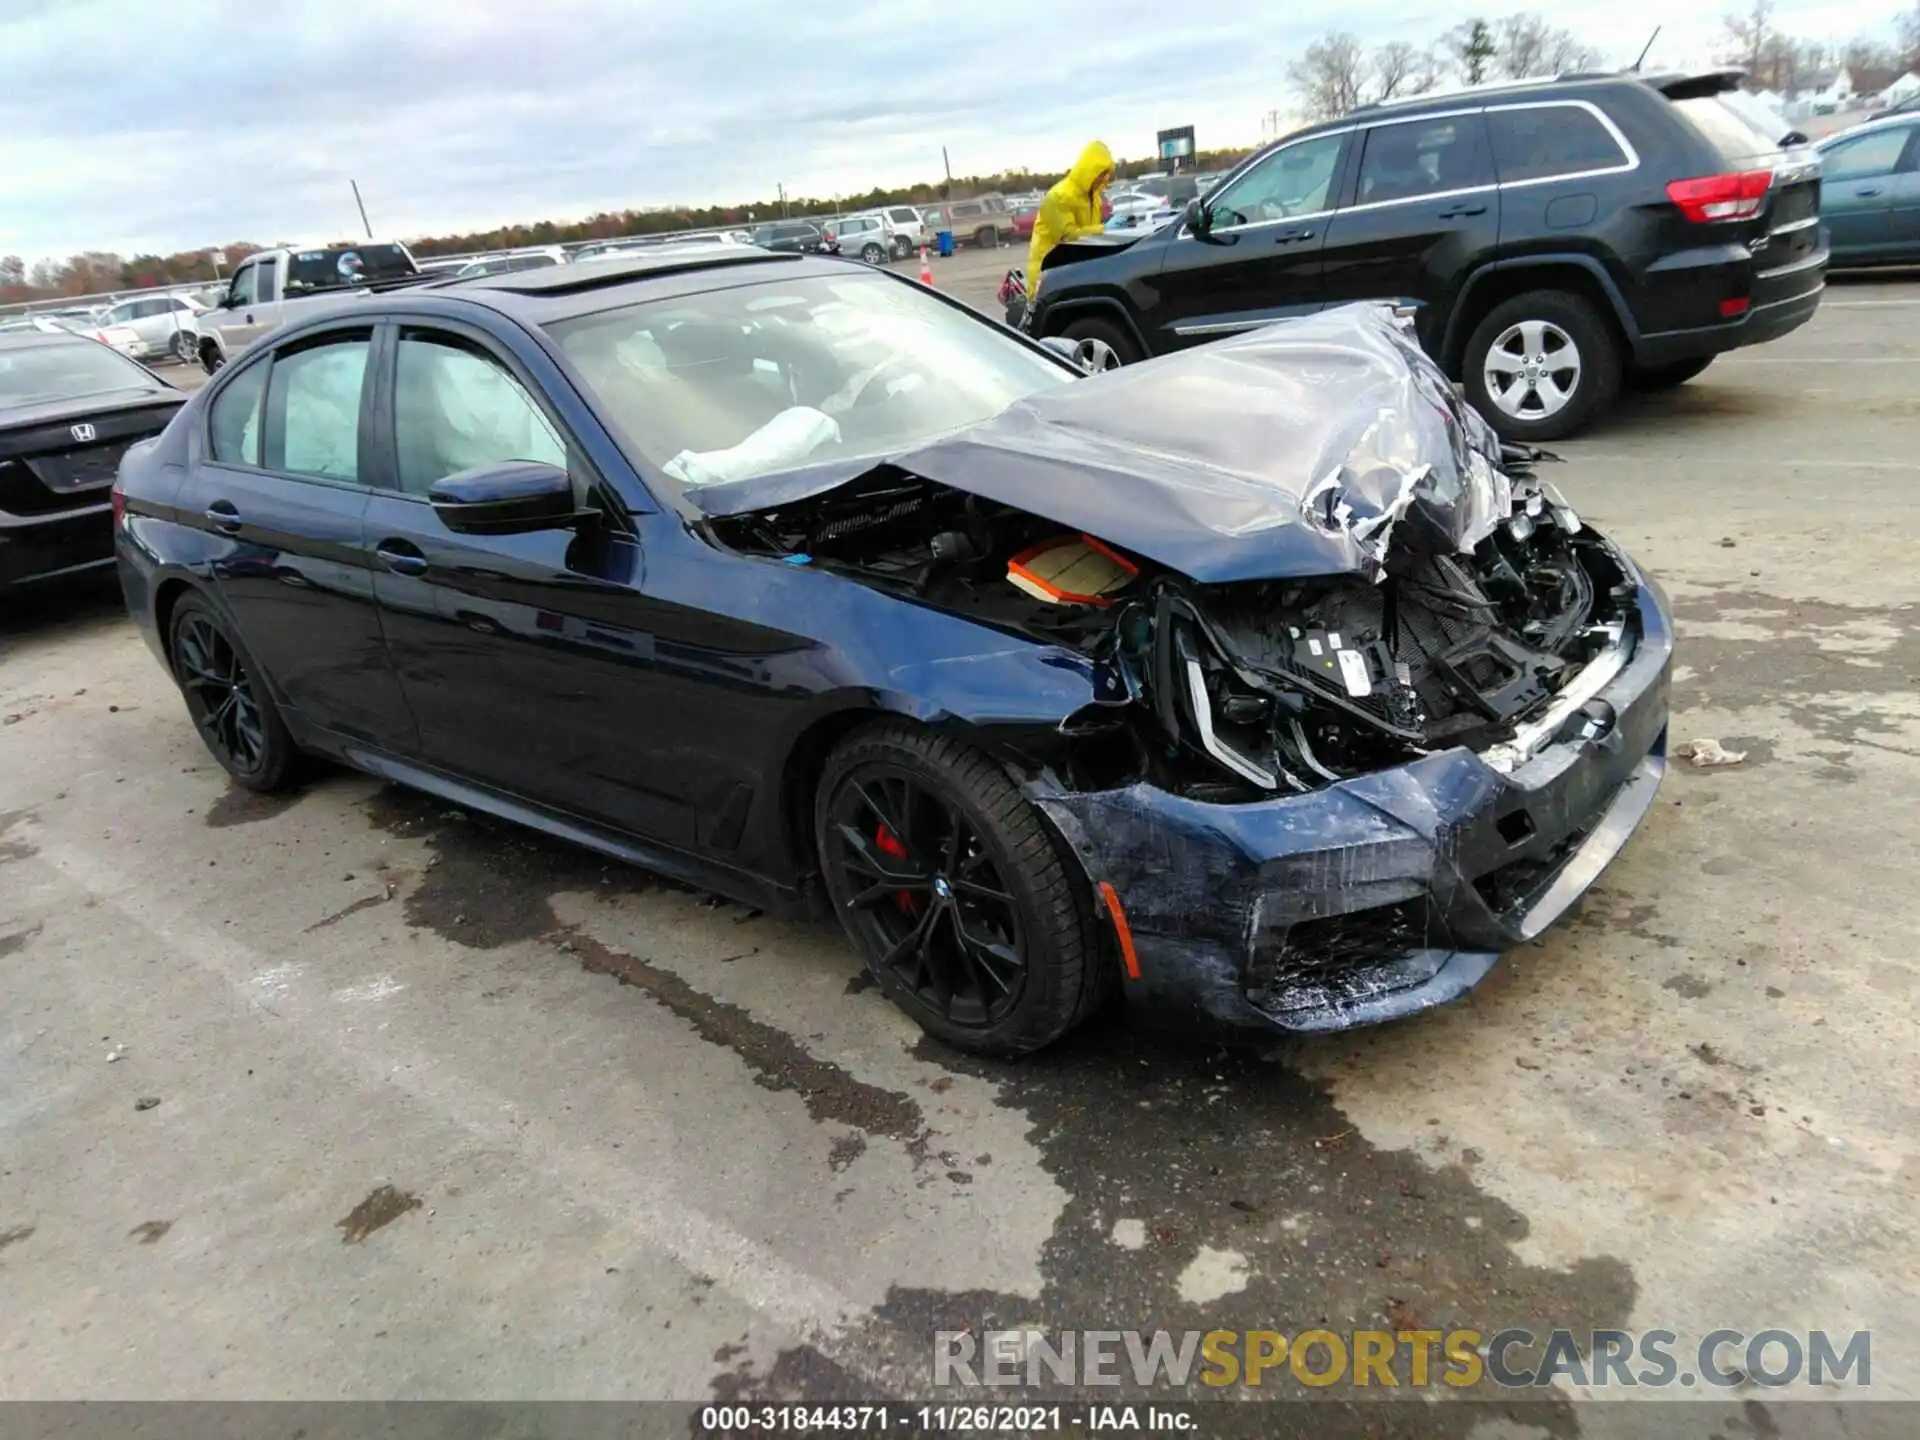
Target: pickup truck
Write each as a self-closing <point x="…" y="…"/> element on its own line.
<point x="271" y="287"/>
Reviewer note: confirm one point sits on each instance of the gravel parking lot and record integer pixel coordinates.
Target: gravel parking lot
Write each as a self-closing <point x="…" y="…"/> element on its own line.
<point x="441" y="1109"/>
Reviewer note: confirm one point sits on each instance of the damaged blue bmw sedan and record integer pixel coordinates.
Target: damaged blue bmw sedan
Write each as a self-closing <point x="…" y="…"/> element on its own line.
<point x="1257" y="683"/>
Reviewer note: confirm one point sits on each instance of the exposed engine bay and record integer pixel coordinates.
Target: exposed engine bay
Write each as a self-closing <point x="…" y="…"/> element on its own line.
<point x="1256" y="688"/>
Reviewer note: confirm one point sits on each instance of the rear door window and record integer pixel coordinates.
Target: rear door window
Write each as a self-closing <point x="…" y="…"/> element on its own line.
<point x="1423" y="157"/>
<point x="1535" y="142"/>
<point x="313" y="407"/>
<point x="905" y="217"/>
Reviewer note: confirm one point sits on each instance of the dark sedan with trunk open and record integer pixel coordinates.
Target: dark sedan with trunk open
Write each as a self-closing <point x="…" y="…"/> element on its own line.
<point x="1257" y="683"/>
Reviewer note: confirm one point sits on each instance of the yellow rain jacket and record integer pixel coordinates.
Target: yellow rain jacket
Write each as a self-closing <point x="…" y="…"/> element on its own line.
<point x="1071" y="209"/>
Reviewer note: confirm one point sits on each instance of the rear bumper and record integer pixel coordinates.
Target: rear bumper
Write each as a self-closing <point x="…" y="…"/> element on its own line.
<point x="1380" y="896"/>
<point x="1780" y="300"/>
<point x="48" y="547"/>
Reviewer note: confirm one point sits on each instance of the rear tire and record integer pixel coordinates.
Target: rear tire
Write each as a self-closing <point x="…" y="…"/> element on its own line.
<point x="183" y="348"/>
<point x="1542" y="366"/>
<point x="964" y="906"/>
<point x="1117" y="340"/>
<point x="987" y="238"/>
<point x="1653" y="378"/>
<point x="228" y="699"/>
<point x="872" y="254"/>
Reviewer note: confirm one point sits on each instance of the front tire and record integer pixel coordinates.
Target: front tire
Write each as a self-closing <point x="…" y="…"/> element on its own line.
<point x="1653" y="378"/>
<point x="1091" y="333"/>
<point x="183" y="348"/>
<point x="210" y="357"/>
<point x="1542" y="366"/>
<point x="228" y="700"/>
<point x="955" y="893"/>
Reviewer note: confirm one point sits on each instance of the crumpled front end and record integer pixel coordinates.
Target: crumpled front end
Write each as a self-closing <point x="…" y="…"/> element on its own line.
<point x="1387" y="891"/>
<point x="1368" y="702"/>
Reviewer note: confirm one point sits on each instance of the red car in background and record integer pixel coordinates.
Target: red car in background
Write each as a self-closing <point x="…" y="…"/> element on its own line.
<point x="1024" y="215"/>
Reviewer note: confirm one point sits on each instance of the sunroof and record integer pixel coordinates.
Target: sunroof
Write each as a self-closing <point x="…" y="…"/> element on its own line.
<point x="583" y="275"/>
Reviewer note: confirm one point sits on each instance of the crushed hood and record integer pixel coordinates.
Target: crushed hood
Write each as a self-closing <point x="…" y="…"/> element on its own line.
<point x="1302" y="448"/>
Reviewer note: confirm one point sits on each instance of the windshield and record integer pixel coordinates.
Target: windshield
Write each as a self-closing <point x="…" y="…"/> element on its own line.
<point x="346" y="265"/>
<point x="32" y="374"/>
<point x="749" y="381"/>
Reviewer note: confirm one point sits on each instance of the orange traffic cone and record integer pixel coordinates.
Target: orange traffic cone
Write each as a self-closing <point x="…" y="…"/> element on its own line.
<point x="926" y="267"/>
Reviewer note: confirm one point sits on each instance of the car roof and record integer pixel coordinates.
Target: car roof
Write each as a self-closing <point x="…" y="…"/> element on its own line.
<point x="1898" y="120"/>
<point x="560" y="292"/>
<point x="34" y="339"/>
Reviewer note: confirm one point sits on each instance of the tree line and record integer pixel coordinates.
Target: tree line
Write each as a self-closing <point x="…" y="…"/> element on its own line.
<point x="94" y="271"/>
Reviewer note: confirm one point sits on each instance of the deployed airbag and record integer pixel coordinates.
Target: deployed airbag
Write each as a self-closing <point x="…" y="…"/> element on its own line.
<point x="1297" y="449"/>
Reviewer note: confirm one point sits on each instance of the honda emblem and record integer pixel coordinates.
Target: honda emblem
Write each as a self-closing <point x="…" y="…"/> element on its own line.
<point x="84" y="433"/>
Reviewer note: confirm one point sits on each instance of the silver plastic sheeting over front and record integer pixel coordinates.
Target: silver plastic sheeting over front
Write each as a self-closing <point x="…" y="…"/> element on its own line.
<point x="1302" y="448"/>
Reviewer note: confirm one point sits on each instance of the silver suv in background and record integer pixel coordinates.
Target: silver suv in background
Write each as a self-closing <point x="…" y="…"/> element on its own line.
<point x="864" y="237"/>
<point x="166" y="325"/>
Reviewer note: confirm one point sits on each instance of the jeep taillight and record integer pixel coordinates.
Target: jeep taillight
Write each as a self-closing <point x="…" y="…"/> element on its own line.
<point x="119" y="506"/>
<point x="1734" y="196"/>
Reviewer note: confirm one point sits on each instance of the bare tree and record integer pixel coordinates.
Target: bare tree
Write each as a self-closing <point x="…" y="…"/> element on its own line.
<point x="1401" y="71"/>
<point x="13" y="270"/>
<point x="1750" y="36"/>
<point x="1330" y="78"/>
<point x="1908" y="27"/>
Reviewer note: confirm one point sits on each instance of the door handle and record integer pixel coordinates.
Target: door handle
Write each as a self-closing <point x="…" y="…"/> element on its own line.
<point x="1287" y="237"/>
<point x="223" y="517"/>
<point x="1867" y="192"/>
<point x="1460" y="212"/>
<point x="401" y="557"/>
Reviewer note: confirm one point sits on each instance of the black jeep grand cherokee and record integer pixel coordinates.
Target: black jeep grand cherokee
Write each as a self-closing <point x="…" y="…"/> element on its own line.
<point x="1559" y="238"/>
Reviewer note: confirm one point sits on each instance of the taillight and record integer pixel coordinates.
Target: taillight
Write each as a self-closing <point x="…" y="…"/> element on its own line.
<point x="1735" y="196"/>
<point x="119" y="507"/>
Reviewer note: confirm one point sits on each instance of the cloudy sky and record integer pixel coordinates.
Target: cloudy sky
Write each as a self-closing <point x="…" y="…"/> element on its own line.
<point x="134" y="126"/>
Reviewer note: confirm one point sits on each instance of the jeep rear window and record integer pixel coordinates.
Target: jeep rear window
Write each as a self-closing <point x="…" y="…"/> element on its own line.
<point x="343" y="265"/>
<point x="1731" y="134"/>
<point x="1533" y="142"/>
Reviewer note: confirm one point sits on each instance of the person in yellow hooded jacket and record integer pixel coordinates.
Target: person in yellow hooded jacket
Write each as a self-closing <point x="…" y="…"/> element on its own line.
<point x="1071" y="209"/>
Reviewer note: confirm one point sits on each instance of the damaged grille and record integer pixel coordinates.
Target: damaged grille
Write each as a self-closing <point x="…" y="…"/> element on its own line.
<point x="1339" y="957"/>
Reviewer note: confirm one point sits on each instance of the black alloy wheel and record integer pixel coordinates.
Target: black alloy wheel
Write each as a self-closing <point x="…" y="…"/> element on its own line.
<point x="955" y="892"/>
<point x="234" y="714"/>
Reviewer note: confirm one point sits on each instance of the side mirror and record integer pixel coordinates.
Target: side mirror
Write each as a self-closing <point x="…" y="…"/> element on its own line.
<point x="510" y="498"/>
<point x="1199" y="222"/>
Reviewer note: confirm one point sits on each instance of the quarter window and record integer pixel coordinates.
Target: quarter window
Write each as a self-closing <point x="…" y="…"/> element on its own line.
<point x="1533" y="142"/>
<point x="455" y="407"/>
<point x="234" y="420"/>
<point x="313" y="408"/>
<point x="1423" y="157"/>
<point x="1876" y="153"/>
<point x="1289" y="182"/>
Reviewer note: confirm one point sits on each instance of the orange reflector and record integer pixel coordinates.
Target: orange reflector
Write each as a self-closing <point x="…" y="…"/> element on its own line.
<point x="1121" y="930"/>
